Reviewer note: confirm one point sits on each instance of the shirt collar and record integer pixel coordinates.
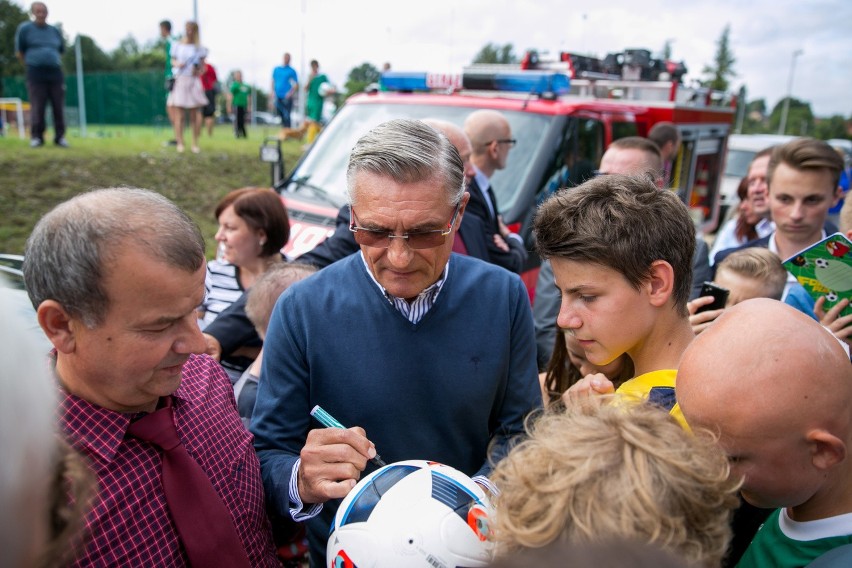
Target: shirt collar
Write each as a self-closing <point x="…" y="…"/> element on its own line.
<point x="481" y="179"/>
<point x="773" y="245"/>
<point x="426" y="298"/>
<point x="93" y="428"/>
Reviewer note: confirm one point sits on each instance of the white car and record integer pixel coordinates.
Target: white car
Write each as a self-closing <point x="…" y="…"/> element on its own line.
<point x="741" y="150"/>
<point x="14" y="298"/>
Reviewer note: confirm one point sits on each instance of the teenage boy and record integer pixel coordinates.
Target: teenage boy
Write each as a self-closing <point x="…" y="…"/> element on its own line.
<point x="634" y="156"/>
<point x="803" y="184"/>
<point x="621" y="252"/>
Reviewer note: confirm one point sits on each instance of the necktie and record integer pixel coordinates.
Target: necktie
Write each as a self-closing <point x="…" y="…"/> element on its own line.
<point x="202" y="520"/>
<point x="492" y="201"/>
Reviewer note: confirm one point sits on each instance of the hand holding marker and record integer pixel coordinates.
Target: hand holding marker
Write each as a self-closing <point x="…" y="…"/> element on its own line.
<point x="328" y="421"/>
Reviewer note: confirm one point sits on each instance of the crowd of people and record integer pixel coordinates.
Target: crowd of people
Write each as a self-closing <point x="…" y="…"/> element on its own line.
<point x="612" y="417"/>
<point x="196" y="94"/>
<point x="191" y="82"/>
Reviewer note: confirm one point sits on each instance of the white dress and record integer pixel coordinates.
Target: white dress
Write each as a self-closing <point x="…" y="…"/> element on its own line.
<point x="187" y="92"/>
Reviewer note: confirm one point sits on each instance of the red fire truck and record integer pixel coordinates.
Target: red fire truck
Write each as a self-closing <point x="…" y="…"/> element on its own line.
<point x="556" y="120"/>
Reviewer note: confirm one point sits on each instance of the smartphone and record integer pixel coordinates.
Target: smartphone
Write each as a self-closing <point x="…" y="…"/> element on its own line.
<point x="720" y="297"/>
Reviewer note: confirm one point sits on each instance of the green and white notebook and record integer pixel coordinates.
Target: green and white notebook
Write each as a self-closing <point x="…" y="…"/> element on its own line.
<point x="825" y="269"/>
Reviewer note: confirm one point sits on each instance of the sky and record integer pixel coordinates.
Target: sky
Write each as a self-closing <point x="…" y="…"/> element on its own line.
<point x="444" y="35"/>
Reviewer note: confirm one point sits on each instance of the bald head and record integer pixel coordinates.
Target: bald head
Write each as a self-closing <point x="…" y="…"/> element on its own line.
<point x="490" y="136"/>
<point x="632" y="156"/>
<point x="761" y="346"/>
<point x="484" y="126"/>
<point x="777" y="388"/>
<point x="457" y="138"/>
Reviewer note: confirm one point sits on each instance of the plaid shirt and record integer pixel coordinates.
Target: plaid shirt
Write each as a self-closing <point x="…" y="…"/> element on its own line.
<point x="129" y="524"/>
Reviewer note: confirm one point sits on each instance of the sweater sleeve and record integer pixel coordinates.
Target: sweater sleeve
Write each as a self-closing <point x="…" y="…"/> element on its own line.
<point x="522" y="393"/>
<point x="281" y="417"/>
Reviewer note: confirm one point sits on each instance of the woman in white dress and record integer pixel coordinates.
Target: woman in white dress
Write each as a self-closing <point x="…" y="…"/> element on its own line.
<point x="188" y="94"/>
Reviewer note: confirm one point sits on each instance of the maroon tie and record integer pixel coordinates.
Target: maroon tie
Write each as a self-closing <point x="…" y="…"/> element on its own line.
<point x="202" y="520"/>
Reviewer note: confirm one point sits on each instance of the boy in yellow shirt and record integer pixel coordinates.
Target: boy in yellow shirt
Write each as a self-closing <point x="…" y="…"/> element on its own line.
<point x="621" y="251"/>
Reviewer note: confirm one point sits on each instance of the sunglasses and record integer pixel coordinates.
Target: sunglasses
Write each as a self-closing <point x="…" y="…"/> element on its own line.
<point x="380" y="238"/>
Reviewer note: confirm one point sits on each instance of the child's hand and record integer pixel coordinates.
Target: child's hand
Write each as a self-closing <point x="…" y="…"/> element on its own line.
<point x="841" y="327"/>
<point x="587" y="389"/>
<point x="700" y="321"/>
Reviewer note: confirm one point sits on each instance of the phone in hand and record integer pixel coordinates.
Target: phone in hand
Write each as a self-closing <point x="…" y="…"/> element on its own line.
<point x="719" y="294"/>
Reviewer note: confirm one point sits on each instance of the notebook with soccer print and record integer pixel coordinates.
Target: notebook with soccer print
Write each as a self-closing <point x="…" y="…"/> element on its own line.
<point x="825" y="269"/>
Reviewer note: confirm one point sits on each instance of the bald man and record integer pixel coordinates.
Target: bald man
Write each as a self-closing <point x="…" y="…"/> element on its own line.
<point x="777" y="388"/>
<point x="633" y="155"/>
<point x="490" y="136"/>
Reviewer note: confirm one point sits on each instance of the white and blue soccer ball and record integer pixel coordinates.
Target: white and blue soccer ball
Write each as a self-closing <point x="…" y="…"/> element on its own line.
<point x="412" y="513"/>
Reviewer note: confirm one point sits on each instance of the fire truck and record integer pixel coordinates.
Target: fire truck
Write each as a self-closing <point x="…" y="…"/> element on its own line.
<point x="557" y="119"/>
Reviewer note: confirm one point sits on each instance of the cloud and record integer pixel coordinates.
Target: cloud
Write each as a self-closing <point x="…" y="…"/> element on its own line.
<point x="342" y="34"/>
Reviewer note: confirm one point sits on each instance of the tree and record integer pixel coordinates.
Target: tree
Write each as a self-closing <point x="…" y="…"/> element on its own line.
<point x="493" y="53"/>
<point x="831" y="127"/>
<point x="800" y="118"/>
<point x="94" y="58"/>
<point x="667" y="50"/>
<point x="360" y="77"/>
<point x="722" y="69"/>
<point x="11" y="16"/>
<point x="757" y="105"/>
<point x="129" y="56"/>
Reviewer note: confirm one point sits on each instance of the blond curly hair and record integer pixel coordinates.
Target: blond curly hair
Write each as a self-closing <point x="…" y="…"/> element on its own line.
<point x="597" y="472"/>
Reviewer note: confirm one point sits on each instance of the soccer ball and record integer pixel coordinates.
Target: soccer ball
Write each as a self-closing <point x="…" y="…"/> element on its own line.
<point x="326" y="89"/>
<point x="412" y="513"/>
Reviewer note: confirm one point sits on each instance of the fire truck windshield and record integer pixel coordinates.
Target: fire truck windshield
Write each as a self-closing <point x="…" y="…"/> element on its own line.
<point x="325" y="164"/>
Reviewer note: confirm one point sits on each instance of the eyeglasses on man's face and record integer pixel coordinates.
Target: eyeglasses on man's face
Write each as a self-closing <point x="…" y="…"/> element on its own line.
<point x="509" y="141"/>
<point x="381" y="238"/>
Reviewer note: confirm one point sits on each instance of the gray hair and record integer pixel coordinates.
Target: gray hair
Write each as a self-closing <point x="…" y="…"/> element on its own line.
<point x="69" y="251"/>
<point x="407" y="151"/>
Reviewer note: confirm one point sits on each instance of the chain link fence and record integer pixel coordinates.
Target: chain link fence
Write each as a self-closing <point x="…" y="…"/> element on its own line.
<point x="111" y="98"/>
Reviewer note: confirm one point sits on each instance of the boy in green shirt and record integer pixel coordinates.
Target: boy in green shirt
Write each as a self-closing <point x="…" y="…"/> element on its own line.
<point x="239" y="98"/>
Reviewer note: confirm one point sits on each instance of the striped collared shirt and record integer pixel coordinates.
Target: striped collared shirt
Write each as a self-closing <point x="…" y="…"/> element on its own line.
<point x="421" y="305"/>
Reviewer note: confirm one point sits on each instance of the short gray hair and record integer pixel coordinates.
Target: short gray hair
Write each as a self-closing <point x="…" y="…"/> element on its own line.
<point x="69" y="251"/>
<point x="407" y="151"/>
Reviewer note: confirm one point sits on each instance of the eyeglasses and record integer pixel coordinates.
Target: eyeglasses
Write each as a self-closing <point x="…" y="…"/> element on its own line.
<point x="416" y="239"/>
<point x="509" y="141"/>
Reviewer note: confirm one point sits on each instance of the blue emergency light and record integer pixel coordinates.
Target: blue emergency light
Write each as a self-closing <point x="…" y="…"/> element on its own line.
<point x="542" y="83"/>
<point x="399" y="81"/>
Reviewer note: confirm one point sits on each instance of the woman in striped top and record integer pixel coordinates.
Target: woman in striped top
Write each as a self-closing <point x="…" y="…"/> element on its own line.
<point x="253" y="227"/>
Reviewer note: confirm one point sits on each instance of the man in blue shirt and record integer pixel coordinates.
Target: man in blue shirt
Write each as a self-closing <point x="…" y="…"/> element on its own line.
<point x="285" y="84"/>
<point x="423" y="353"/>
<point x="39" y="47"/>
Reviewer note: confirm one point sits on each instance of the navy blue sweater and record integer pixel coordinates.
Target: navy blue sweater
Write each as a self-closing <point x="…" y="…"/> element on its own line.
<point x="462" y="378"/>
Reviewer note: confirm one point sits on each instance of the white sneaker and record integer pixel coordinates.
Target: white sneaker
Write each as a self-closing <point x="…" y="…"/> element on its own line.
<point x="35" y="143"/>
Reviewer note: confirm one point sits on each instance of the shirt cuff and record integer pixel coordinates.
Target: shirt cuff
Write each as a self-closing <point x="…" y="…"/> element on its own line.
<point x="486" y="483"/>
<point x="296" y="499"/>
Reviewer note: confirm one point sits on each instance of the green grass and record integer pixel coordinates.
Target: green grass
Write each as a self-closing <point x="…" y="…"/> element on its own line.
<point x="32" y="181"/>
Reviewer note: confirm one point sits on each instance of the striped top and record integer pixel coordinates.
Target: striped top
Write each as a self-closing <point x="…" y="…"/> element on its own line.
<point x="222" y="287"/>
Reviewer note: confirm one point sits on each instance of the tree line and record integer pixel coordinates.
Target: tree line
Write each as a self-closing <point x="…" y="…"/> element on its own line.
<point x="131" y="56"/>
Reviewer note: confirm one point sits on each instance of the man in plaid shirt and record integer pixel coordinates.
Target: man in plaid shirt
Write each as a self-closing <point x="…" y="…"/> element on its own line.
<point x="115" y="276"/>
